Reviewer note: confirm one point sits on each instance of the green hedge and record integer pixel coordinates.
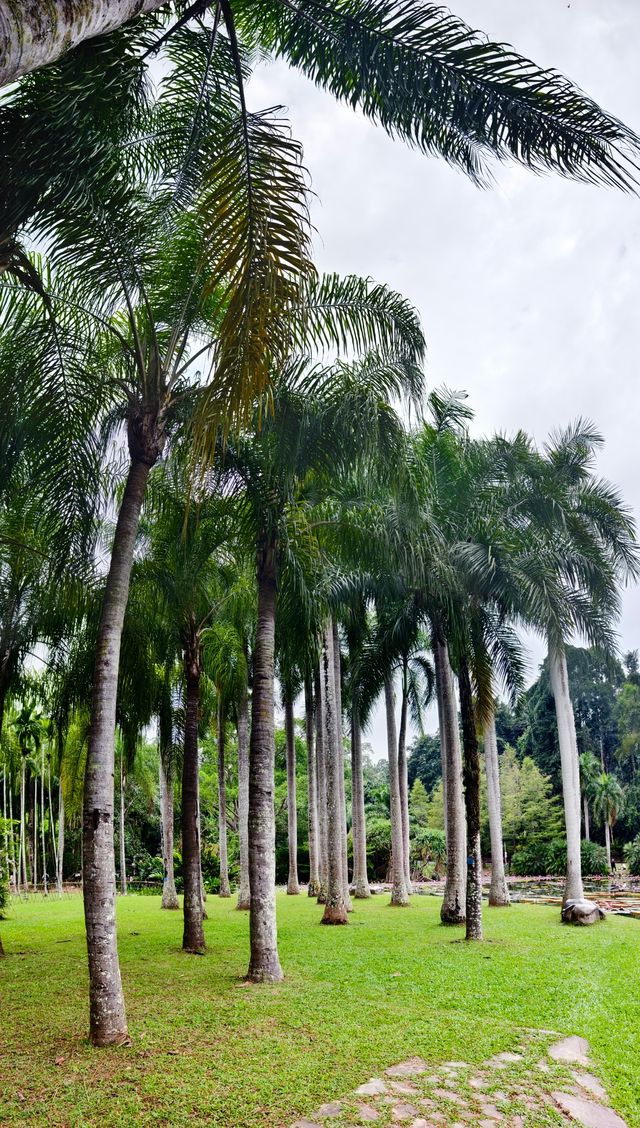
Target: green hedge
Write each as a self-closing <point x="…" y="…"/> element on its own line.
<point x="550" y="859"/>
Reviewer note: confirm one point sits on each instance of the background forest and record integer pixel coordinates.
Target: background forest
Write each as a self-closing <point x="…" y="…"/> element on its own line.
<point x="606" y="699"/>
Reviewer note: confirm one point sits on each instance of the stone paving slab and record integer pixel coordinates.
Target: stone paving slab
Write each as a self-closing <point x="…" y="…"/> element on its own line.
<point x="542" y="1082"/>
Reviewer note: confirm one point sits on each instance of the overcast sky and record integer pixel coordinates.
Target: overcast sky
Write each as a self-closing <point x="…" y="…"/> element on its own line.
<point x="529" y="293"/>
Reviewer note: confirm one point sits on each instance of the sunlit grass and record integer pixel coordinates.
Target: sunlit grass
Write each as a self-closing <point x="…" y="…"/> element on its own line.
<point x="209" y="1050"/>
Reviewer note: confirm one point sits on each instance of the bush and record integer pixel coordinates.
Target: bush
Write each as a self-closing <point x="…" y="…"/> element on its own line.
<point x="4" y="890"/>
<point x="594" y="860"/>
<point x="530" y="860"/>
<point x="428" y="852"/>
<point x="378" y="847"/>
<point x="550" y="859"/>
<point x="632" y="856"/>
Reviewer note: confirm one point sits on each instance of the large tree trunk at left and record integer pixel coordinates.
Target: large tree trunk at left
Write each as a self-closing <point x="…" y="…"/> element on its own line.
<point x="264" y="964"/>
<point x="293" y="886"/>
<point x="321" y="791"/>
<point x="193" y="933"/>
<point x="35" y="32"/>
<point x="454" y="899"/>
<point x="108" y="1024"/>
<point x="399" y="894"/>
<point x="225" y="889"/>
<point x="335" y="908"/>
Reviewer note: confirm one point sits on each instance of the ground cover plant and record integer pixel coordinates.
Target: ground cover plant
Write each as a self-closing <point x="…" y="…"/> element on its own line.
<point x="208" y="1049"/>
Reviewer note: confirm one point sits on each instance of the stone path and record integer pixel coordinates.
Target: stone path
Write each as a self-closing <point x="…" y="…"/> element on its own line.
<point x="542" y="1083"/>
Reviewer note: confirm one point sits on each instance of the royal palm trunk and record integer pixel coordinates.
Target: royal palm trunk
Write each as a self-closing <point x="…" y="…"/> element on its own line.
<point x="264" y="964"/>
<point x="108" y="1024"/>
<point x="454" y="899"/>
<point x="244" y="893"/>
<point x="337" y="675"/>
<point x="34" y="33"/>
<point x="335" y="909"/>
<point x="498" y="890"/>
<point x="169" y="894"/>
<point x="293" y="887"/>
<point x="399" y="894"/>
<point x="358" y="824"/>
<point x="471" y="778"/>
<point x="321" y="776"/>
<point x="570" y="766"/>
<point x="123" y="857"/>
<point x="225" y="890"/>
<point x="403" y="775"/>
<point x="193" y="934"/>
<point x="312" y="789"/>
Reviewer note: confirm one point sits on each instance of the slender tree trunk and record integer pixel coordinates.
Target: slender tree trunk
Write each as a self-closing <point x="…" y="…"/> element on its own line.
<point x="108" y="1024"/>
<point x="358" y="823"/>
<point x="60" y="870"/>
<point x="312" y="789"/>
<point x="14" y="865"/>
<point x="43" y="838"/>
<point x="244" y="892"/>
<point x="471" y="776"/>
<point x="399" y="895"/>
<point x="403" y="775"/>
<point x="607" y="842"/>
<point x="33" y="840"/>
<point x="123" y="856"/>
<point x="193" y="934"/>
<point x="169" y="894"/>
<point x="335" y="909"/>
<point x="22" y="849"/>
<point x="337" y="671"/>
<point x="6" y="824"/>
<point x="52" y="824"/>
<point x="264" y="965"/>
<point x="225" y="889"/>
<point x="33" y="33"/>
<point x="454" y="900"/>
<point x="293" y="886"/>
<point x="570" y="765"/>
<point x="585" y="808"/>
<point x="499" y="890"/>
<point x="321" y="774"/>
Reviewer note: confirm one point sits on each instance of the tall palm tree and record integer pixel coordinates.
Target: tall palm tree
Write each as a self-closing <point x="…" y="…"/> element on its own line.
<point x="320" y="420"/>
<point x="608" y="804"/>
<point x="576" y="546"/>
<point x="165" y="280"/>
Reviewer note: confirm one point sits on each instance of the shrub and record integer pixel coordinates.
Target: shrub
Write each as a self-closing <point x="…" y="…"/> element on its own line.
<point x="550" y="859"/>
<point x="632" y="856"/>
<point x="4" y="890"/>
<point x="594" y="860"/>
<point x="428" y="852"/>
<point x="530" y="860"/>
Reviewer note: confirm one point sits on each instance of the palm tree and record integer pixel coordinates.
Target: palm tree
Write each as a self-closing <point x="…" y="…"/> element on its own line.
<point x="461" y="97"/>
<point x="608" y="804"/>
<point x="310" y="431"/>
<point x="577" y="546"/>
<point x="589" y="772"/>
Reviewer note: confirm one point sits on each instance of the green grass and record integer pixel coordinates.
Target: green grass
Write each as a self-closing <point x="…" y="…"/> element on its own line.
<point x="209" y="1050"/>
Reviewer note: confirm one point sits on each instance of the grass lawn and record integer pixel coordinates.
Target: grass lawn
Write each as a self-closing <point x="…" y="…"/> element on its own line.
<point x="208" y="1050"/>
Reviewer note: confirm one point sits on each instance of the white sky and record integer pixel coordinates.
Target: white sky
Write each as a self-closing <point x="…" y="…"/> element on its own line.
<point x="529" y="293"/>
